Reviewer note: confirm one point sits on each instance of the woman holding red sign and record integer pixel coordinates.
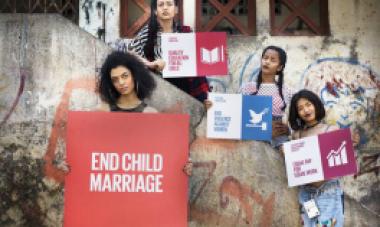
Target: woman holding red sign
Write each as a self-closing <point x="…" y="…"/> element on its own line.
<point x="147" y="44"/>
<point x="124" y="83"/>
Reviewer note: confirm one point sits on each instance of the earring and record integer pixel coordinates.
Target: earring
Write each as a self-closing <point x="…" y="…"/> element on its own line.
<point x="298" y="121"/>
<point x="137" y="88"/>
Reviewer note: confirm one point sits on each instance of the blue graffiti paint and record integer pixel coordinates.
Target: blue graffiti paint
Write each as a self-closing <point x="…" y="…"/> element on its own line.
<point x="355" y="104"/>
<point x="247" y="61"/>
<point x="335" y="59"/>
<point x="254" y="73"/>
<point x="242" y="72"/>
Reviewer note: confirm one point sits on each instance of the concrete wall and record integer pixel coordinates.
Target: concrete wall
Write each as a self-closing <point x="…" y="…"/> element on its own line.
<point x="41" y="70"/>
<point x="48" y="66"/>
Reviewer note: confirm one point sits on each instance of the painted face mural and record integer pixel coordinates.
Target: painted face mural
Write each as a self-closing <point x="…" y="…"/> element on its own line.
<point x="348" y="90"/>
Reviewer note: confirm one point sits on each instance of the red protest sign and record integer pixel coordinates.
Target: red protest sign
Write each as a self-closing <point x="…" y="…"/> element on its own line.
<point x="126" y="169"/>
<point x="194" y="54"/>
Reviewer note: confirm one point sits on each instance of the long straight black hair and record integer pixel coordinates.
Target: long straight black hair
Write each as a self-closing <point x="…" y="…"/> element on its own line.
<point x="280" y="81"/>
<point x="153" y="28"/>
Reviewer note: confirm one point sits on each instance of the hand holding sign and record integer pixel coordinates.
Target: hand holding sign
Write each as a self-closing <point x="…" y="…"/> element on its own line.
<point x="188" y="168"/>
<point x="194" y="54"/>
<point x="279" y="129"/>
<point x="157" y="65"/>
<point x="234" y="116"/>
<point x="126" y="163"/>
<point x="323" y="157"/>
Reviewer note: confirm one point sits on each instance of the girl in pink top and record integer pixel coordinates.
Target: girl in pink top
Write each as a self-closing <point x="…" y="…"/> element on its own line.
<point x="270" y="82"/>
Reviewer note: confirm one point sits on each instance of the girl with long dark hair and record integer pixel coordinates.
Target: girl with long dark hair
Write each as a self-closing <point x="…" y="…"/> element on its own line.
<point x="270" y="82"/>
<point x="147" y="44"/>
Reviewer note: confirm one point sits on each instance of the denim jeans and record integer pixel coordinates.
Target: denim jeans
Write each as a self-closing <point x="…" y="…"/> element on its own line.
<point x="328" y="199"/>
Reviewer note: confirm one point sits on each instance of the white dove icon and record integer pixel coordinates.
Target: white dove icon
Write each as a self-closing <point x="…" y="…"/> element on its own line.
<point x="257" y="118"/>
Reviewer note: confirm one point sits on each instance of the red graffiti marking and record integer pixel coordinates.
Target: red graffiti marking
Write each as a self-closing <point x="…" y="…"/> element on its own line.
<point x="58" y="130"/>
<point x="231" y="187"/>
<point x="210" y="166"/>
<point x="23" y="75"/>
<point x="370" y="165"/>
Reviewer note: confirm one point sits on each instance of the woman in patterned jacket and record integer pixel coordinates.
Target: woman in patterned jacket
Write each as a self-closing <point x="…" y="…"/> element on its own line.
<point x="147" y="44"/>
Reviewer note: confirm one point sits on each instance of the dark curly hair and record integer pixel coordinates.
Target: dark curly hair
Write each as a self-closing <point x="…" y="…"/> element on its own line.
<point x="295" y="120"/>
<point x="141" y="76"/>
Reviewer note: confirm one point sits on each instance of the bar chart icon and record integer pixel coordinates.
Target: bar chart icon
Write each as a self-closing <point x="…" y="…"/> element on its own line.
<point x="338" y="157"/>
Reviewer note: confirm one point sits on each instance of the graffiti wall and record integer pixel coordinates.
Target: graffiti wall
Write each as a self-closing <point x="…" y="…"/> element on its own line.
<point x="48" y="66"/>
<point x="100" y="18"/>
<point x="343" y="70"/>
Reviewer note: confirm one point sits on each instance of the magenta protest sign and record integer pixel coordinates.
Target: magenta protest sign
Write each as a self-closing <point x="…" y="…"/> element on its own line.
<point x="322" y="157"/>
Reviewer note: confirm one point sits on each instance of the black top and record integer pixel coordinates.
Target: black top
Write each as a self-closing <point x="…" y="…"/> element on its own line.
<point x="138" y="109"/>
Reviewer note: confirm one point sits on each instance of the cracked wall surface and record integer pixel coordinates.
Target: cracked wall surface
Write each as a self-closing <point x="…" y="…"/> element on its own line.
<point x="48" y="66"/>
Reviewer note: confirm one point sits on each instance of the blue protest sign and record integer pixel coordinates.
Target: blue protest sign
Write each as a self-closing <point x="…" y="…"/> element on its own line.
<point x="234" y="116"/>
<point x="257" y="118"/>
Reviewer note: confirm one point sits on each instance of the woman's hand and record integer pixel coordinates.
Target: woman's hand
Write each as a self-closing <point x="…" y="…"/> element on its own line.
<point x="355" y="137"/>
<point x="282" y="151"/>
<point x="279" y="129"/>
<point x="188" y="168"/>
<point x="157" y="65"/>
<point x="65" y="167"/>
<point x="207" y="103"/>
<point x="160" y="64"/>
